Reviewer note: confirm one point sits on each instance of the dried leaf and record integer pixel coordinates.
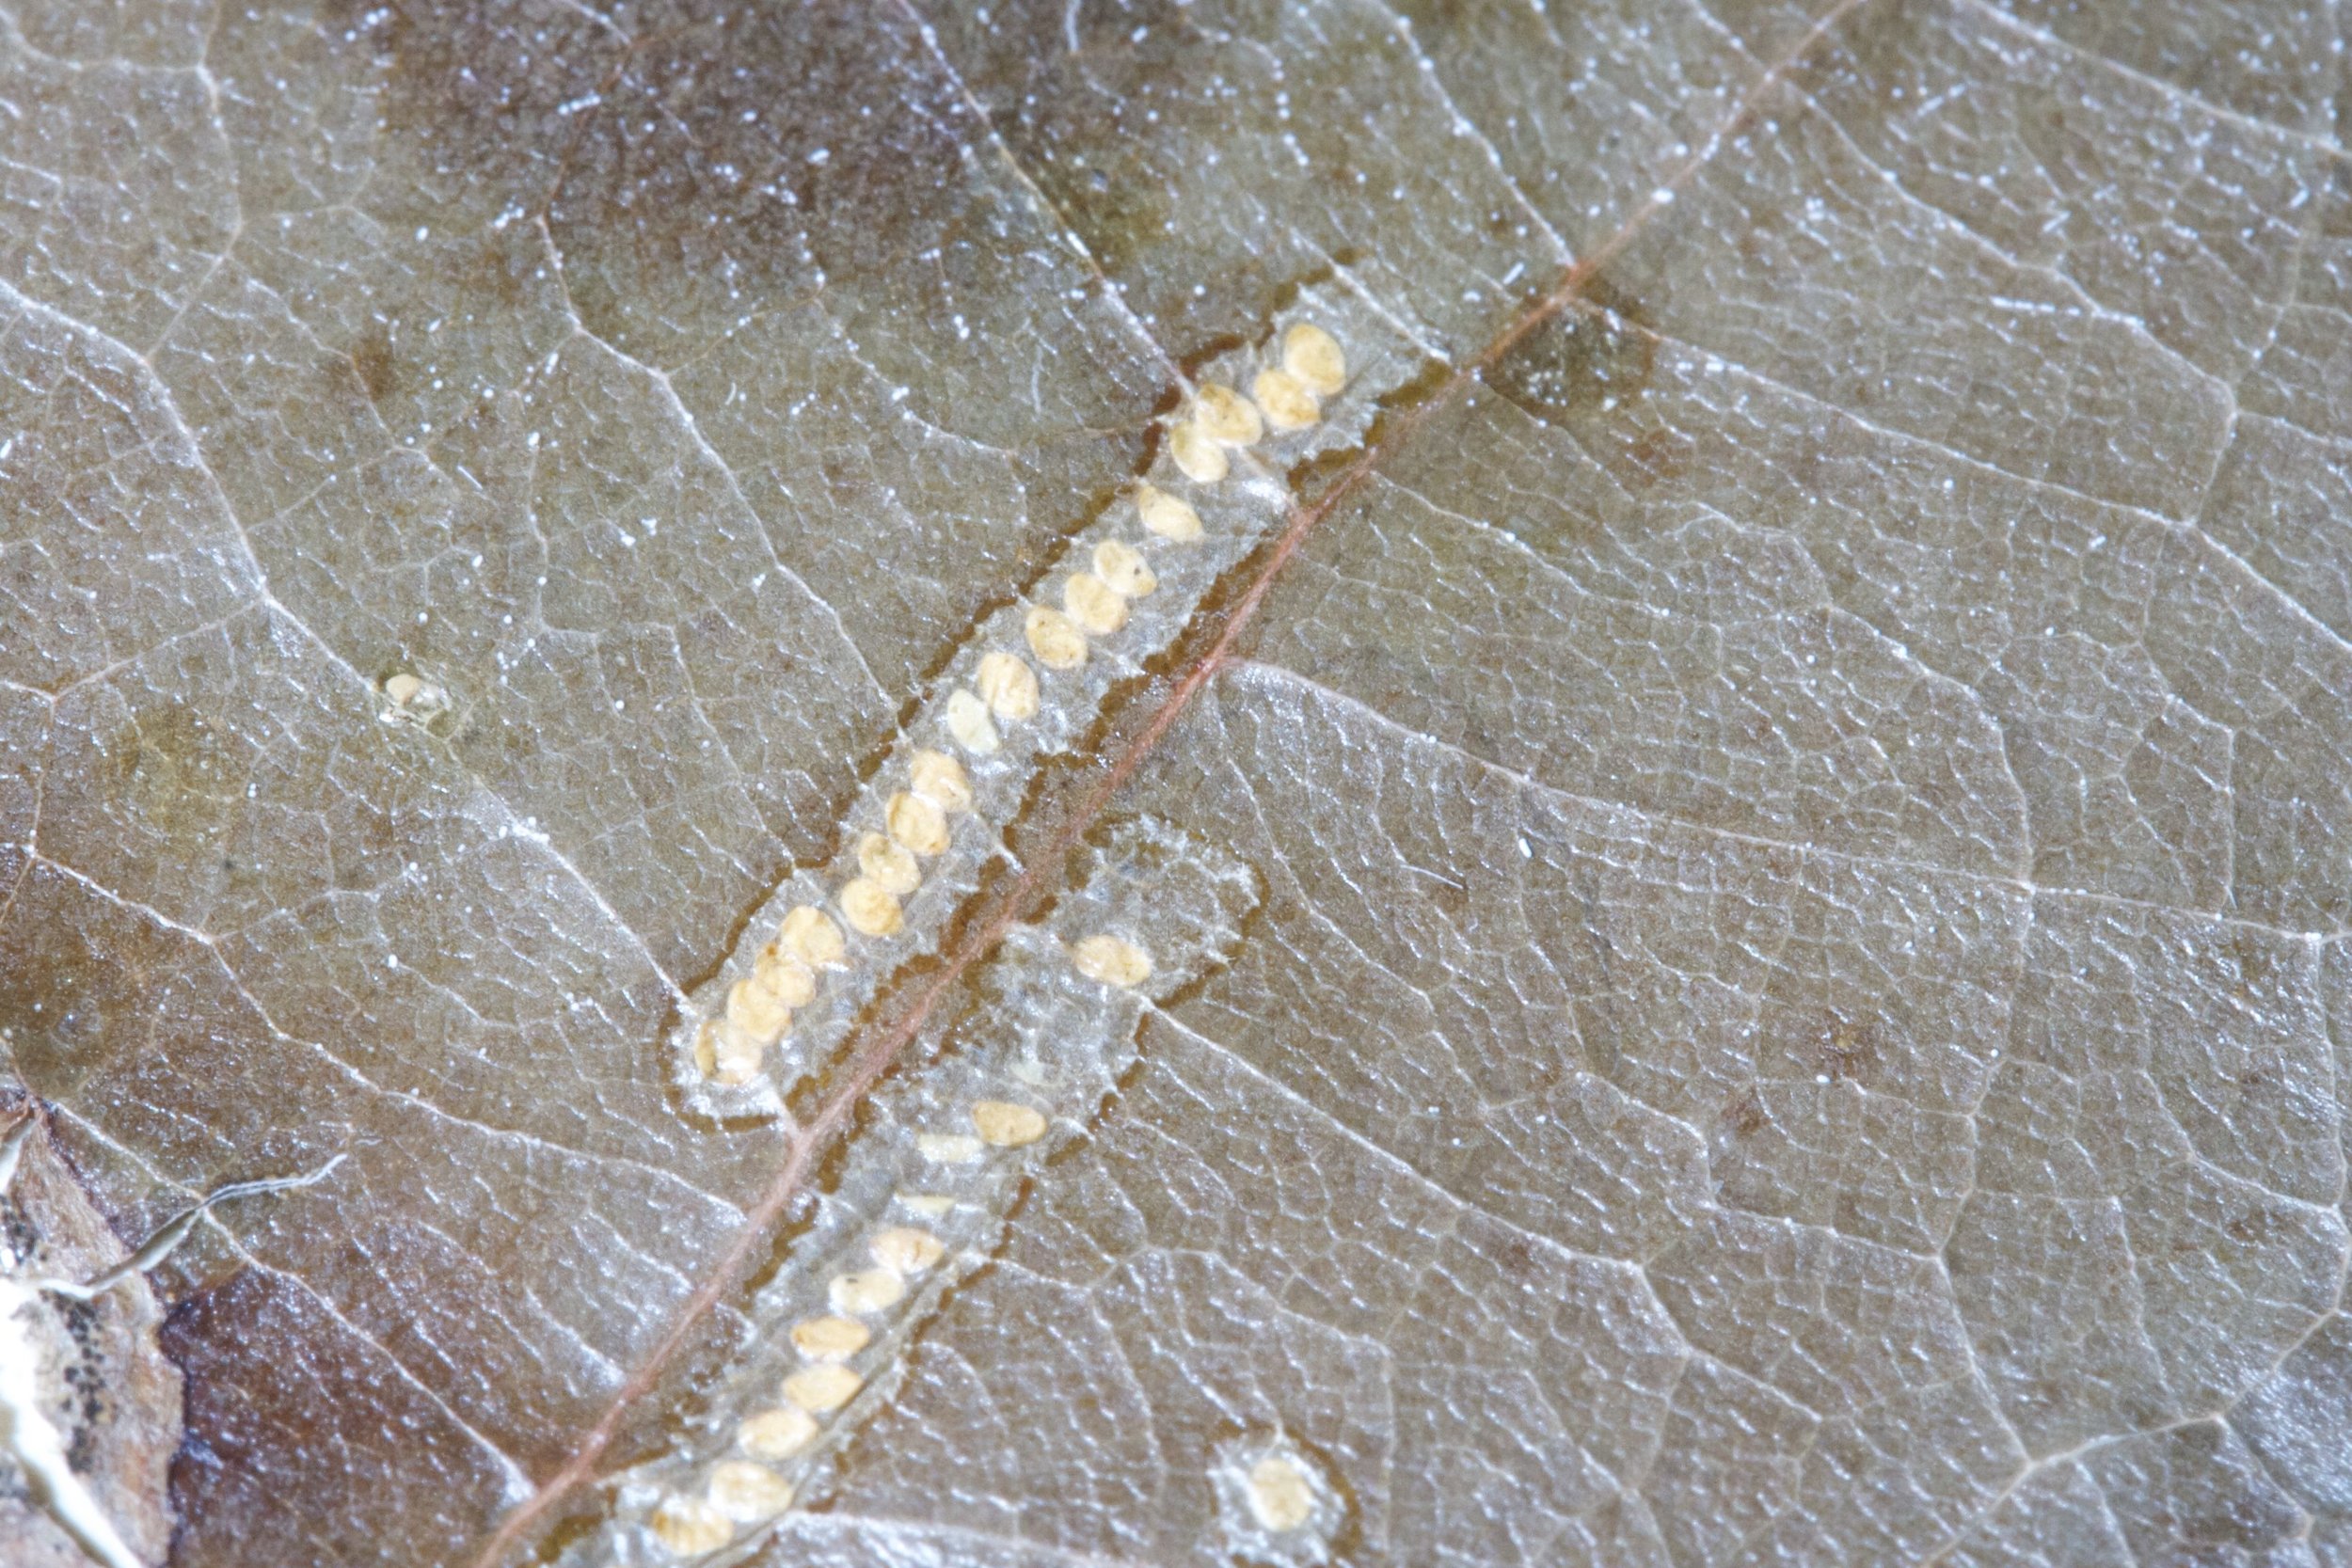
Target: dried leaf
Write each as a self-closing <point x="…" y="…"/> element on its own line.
<point x="1727" y="804"/>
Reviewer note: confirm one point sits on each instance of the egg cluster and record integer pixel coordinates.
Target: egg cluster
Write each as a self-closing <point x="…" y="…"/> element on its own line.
<point x="809" y="940"/>
<point x="835" y="1342"/>
<point x="1004" y="688"/>
<point x="948" y="1145"/>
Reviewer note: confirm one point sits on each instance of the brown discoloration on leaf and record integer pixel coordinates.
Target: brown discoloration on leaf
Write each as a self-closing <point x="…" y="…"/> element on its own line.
<point x="1587" y="360"/>
<point x="102" y="1379"/>
<point x="1745" y="1116"/>
<point x="326" y="1425"/>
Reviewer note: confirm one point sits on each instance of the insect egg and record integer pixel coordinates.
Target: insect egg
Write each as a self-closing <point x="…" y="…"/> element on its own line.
<point x="1006" y="1125"/>
<point x="748" y="1493"/>
<point x="903" y="1249"/>
<point x="1225" y="416"/>
<point x="865" y="1292"/>
<point x="941" y="780"/>
<point x="870" y="908"/>
<point x="825" y="1386"/>
<point x="830" y="1338"/>
<point x="1054" y="638"/>
<point x="1280" y="1494"/>
<point x="785" y="977"/>
<point x="1113" y="960"/>
<point x="1201" y="459"/>
<point x="1095" y="605"/>
<point x="689" y="1526"/>
<point x="777" y="1433"/>
<point x="1167" y="515"/>
<point x="727" y="1054"/>
<point x="888" y="866"/>
<point x="809" y="935"/>
<point x="1315" y="357"/>
<point x="918" y="823"/>
<point x="1008" y="686"/>
<point x="1287" y="402"/>
<point x="1123" y="566"/>
<point x="968" y="721"/>
<point x="754" y="1009"/>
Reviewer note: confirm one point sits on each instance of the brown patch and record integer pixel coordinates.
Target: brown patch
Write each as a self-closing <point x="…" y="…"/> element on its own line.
<point x="1846" y="1049"/>
<point x="284" y="1403"/>
<point x="1115" y="198"/>
<point x="1580" y="361"/>
<point x="1659" y="455"/>
<point x="179" y="776"/>
<point x="1450" y="898"/>
<point x="1746" y="1116"/>
<point x="2258" y="1227"/>
<point x="372" y="356"/>
<point x="1516" y="1256"/>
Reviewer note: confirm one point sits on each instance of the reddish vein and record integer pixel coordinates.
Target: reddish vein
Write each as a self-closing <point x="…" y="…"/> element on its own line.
<point x="1028" y="887"/>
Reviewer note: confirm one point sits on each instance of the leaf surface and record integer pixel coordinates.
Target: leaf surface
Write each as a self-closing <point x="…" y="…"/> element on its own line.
<point x="1747" y="844"/>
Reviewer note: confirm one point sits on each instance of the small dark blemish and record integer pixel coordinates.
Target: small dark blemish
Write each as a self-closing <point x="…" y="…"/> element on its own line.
<point x="1746" y="1116"/>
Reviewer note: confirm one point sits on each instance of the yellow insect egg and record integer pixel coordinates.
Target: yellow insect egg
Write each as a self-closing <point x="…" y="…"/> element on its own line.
<point x="727" y="1055"/>
<point x="1123" y="566"/>
<point x="948" y="1148"/>
<point x="826" y="1386"/>
<point x="777" y="1433"/>
<point x="689" y="1526"/>
<point x="888" y="866"/>
<point x="918" y="823"/>
<point x="747" y="1492"/>
<point x="1008" y="686"/>
<point x="930" y="1205"/>
<point x="869" y="908"/>
<point x="1095" y="605"/>
<point x="756" y="1010"/>
<point x="1167" y="515"/>
<point x="1201" y="459"/>
<point x="1006" y="1125"/>
<point x="865" y="1292"/>
<point x="785" y="977"/>
<point x="1315" y="357"/>
<point x="1280" y="1496"/>
<point x="1113" y="960"/>
<point x="830" y="1338"/>
<point x="809" y="935"/>
<point x="941" y="780"/>
<point x="1225" y="417"/>
<point x="1286" y="400"/>
<point x="903" y="1249"/>
<point x="414" y="697"/>
<point x="968" y="721"/>
<point x="1054" y="638"/>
